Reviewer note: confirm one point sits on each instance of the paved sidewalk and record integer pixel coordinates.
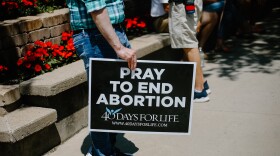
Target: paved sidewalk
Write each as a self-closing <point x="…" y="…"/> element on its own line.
<point x="242" y="117"/>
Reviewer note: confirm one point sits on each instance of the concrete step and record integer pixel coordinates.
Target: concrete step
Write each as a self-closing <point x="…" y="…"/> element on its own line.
<point x="28" y="127"/>
<point x="9" y="98"/>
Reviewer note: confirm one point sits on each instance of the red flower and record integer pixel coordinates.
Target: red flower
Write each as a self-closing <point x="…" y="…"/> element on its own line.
<point x="39" y="43"/>
<point x="49" y="44"/>
<point x="55" y="46"/>
<point x="37" y="68"/>
<point x="25" y="58"/>
<point x="28" y="65"/>
<point x="68" y="55"/>
<point x="63" y="54"/>
<point x="54" y="53"/>
<point x="70" y="41"/>
<point x="70" y="46"/>
<point x="28" y="53"/>
<point x="40" y="53"/>
<point x="27" y="3"/>
<point x="47" y="66"/>
<point x="10" y="5"/>
<point x="64" y="36"/>
<point x="61" y="48"/>
<point x="31" y="58"/>
<point x="134" y="21"/>
<point x="45" y="52"/>
<point x="129" y="23"/>
<point x="3" y="68"/>
<point x="19" y="62"/>
<point x="141" y="24"/>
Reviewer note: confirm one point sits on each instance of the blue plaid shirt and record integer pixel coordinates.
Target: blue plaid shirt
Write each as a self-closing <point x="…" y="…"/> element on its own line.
<point x="80" y="10"/>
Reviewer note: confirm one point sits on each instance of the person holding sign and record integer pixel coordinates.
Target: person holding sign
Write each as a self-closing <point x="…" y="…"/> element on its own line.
<point x="98" y="33"/>
<point x="182" y="30"/>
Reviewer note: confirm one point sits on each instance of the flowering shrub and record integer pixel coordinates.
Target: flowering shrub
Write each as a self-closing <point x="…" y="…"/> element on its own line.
<point x="45" y="56"/>
<point x="3" y="72"/>
<point x="10" y="9"/>
<point x="3" y="69"/>
<point x="135" y="26"/>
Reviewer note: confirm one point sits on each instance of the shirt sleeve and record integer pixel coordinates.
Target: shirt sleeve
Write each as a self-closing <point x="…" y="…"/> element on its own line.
<point x="94" y="5"/>
<point x="163" y="1"/>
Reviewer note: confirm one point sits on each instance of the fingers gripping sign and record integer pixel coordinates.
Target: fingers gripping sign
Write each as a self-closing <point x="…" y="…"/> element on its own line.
<point x="128" y="55"/>
<point x="132" y="62"/>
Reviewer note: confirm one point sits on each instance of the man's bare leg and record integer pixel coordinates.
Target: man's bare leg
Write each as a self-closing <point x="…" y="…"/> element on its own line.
<point x="192" y="55"/>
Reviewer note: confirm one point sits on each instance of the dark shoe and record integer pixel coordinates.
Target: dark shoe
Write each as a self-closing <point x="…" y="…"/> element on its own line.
<point x="89" y="153"/>
<point x="200" y="97"/>
<point x="206" y="88"/>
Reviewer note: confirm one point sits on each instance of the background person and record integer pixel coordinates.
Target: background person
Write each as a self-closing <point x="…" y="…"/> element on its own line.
<point x="159" y="14"/>
<point x="182" y="30"/>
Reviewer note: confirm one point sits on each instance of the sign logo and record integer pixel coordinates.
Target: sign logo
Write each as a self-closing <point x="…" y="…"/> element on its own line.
<point x="110" y="114"/>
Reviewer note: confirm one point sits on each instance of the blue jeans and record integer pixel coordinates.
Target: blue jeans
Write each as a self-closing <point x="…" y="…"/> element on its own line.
<point x="91" y="44"/>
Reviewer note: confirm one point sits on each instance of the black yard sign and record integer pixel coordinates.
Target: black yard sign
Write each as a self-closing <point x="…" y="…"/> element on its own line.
<point x="154" y="98"/>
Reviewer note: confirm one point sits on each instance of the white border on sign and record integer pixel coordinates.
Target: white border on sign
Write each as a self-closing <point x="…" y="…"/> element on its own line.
<point x="139" y="132"/>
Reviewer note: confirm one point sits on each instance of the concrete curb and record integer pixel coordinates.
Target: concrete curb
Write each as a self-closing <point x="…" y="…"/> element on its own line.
<point x="57" y="81"/>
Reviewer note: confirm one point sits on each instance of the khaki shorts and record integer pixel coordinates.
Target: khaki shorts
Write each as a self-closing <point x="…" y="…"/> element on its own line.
<point x="182" y="27"/>
<point x="161" y="24"/>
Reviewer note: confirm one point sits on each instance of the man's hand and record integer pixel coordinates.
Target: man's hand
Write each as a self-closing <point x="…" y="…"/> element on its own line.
<point x="129" y="55"/>
<point x="166" y="7"/>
